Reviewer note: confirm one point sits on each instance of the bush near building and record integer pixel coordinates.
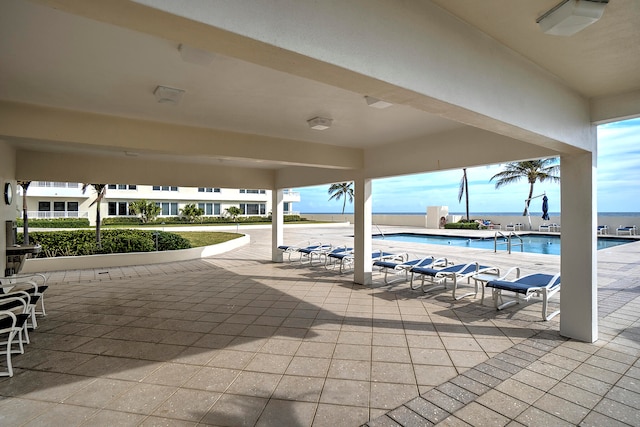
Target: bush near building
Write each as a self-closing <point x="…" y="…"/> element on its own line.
<point x="83" y="242"/>
<point x="55" y="223"/>
<point x="202" y="220"/>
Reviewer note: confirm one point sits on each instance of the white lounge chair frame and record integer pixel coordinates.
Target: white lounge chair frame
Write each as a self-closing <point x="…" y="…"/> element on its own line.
<point x="545" y="291"/>
<point x="455" y="273"/>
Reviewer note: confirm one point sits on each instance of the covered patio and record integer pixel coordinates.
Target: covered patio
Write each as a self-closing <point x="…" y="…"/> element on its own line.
<point x="241" y="341"/>
<point x="225" y="94"/>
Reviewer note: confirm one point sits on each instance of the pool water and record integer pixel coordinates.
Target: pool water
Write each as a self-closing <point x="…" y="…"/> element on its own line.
<point x="533" y="243"/>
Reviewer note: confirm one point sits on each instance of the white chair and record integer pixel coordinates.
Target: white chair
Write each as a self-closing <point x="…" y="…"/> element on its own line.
<point x="526" y="287"/>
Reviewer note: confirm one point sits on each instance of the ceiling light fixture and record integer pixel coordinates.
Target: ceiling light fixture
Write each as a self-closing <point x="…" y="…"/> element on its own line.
<point x="570" y="16"/>
<point x="319" y="123"/>
<point x="195" y="55"/>
<point x="168" y="95"/>
<point x="377" y="103"/>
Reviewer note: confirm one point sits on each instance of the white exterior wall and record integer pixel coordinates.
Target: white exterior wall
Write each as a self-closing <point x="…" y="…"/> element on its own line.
<point x="227" y="197"/>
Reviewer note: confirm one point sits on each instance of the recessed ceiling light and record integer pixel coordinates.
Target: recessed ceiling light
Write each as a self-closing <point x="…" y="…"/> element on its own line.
<point x="168" y="95"/>
<point x="377" y="103"/>
<point x="195" y="55"/>
<point x="319" y="123"/>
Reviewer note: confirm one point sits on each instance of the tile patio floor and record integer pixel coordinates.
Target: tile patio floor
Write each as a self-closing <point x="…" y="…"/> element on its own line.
<point x="236" y="340"/>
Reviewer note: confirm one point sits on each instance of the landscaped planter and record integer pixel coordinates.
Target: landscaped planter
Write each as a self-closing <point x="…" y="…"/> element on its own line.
<point x="38" y="265"/>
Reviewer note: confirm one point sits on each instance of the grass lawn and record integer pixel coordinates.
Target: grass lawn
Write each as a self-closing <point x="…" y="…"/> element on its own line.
<point x="206" y="238"/>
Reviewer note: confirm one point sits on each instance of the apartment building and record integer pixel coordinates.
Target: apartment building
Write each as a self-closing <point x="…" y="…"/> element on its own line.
<point x="66" y="200"/>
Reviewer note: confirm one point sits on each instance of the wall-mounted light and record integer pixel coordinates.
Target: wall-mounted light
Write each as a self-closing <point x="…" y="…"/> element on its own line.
<point x="570" y="16"/>
<point x="168" y="95"/>
<point x="319" y="123"/>
<point x="377" y="103"/>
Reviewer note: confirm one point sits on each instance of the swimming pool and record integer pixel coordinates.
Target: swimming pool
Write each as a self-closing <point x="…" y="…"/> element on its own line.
<point x="533" y="243"/>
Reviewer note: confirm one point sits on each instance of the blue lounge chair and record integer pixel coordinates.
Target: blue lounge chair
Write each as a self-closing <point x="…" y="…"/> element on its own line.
<point x="335" y="255"/>
<point x="347" y="260"/>
<point x="627" y="229"/>
<point x="290" y="249"/>
<point x="403" y="268"/>
<point x="437" y="277"/>
<point x="526" y="287"/>
<point x="307" y="253"/>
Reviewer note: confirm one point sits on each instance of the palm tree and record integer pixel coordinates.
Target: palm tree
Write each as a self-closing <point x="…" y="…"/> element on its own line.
<point x="533" y="170"/>
<point x="25" y="215"/>
<point x="342" y="189"/>
<point x="464" y="188"/>
<point x="101" y="191"/>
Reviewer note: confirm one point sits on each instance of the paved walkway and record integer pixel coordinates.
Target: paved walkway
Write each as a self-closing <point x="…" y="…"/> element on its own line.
<point x="240" y="341"/>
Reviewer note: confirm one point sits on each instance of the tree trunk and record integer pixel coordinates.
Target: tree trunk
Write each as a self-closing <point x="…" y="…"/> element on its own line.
<point x="98" y="221"/>
<point x="25" y="215"/>
<point x="526" y="209"/>
<point x="344" y="204"/>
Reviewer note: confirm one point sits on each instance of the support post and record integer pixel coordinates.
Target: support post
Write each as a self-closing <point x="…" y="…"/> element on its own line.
<point x="362" y="232"/>
<point x="277" y="224"/>
<point x="579" y="262"/>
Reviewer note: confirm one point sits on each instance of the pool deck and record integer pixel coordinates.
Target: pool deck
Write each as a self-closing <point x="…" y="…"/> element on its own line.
<point x="236" y="340"/>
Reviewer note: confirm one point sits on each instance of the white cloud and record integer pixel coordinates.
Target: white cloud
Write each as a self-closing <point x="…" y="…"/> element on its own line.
<point x="618" y="177"/>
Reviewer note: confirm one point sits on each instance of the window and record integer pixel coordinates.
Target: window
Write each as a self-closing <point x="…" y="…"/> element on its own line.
<point x="168" y="208"/>
<point x="121" y="187"/>
<point x="245" y="191"/>
<point x="208" y="190"/>
<point x="44" y="206"/>
<point x="253" y="208"/>
<point x="59" y="206"/>
<point x="156" y="188"/>
<point x="286" y="206"/>
<point x="164" y="188"/>
<point x="210" y="208"/>
<point x="72" y="206"/>
<point x="119" y="209"/>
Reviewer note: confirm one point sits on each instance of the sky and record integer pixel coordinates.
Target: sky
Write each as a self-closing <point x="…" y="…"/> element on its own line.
<point x="618" y="177"/>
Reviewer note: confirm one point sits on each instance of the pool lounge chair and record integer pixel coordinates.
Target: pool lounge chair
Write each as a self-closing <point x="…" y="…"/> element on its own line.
<point x="526" y="287"/>
<point x="401" y="269"/>
<point x="309" y="252"/>
<point x="335" y="255"/>
<point x="437" y="277"/>
<point x="631" y="230"/>
<point x="290" y="249"/>
<point x="603" y="229"/>
<point x="347" y="261"/>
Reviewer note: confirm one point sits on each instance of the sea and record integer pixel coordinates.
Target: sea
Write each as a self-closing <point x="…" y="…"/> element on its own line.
<point x="478" y="214"/>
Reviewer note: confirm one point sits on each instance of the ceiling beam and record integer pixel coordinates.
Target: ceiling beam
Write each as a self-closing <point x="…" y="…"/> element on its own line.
<point x="89" y="131"/>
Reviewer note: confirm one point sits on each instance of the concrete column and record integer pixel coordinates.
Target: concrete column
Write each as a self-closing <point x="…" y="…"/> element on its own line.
<point x="362" y="232"/>
<point x="277" y="224"/>
<point x="579" y="295"/>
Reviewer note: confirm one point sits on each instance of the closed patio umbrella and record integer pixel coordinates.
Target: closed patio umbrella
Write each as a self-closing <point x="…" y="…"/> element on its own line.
<point x="545" y="208"/>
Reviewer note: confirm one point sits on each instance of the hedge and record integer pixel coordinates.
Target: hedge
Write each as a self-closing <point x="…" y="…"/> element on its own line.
<point x="83" y="242"/>
<point x="462" y="225"/>
<point x="201" y="220"/>
<point x="56" y="223"/>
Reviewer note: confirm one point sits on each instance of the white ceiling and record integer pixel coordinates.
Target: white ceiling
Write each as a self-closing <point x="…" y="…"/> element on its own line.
<point x="56" y="59"/>
<point x="52" y="58"/>
<point x="603" y="59"/>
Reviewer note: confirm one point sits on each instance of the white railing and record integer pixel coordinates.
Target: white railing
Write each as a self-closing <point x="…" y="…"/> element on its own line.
<point x="291" y="213"/>
<point x="507" y="240"/>
<point x="57" y="214"/>
<point x="55" y="184"/>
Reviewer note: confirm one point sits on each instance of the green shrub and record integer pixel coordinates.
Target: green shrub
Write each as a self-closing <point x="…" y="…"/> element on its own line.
<point x="55" y="223"/>
<point x="82" y="242"/>
<point x="121" y="220"/>
<point x="462" y="225"/>
<point x="171" y="241"/>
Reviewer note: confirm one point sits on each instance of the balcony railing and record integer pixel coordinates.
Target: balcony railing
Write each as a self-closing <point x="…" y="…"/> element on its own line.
<point x="55" y="184"/>
<point x="57" y="214"/>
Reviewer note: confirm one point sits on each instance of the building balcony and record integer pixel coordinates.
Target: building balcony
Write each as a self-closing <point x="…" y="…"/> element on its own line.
<point x="57" y="214"/>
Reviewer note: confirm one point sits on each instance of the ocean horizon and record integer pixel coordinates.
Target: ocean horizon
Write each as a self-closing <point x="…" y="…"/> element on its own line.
<point x="474" y="214"/>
